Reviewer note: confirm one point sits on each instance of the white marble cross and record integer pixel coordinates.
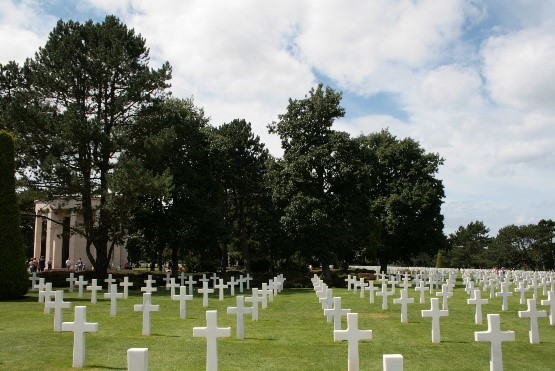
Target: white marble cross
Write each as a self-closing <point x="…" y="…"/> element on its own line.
<point x="172" y="285"/>
<point x="126" y="284"/>
<point x="353" y="335"/>
<point x="522" y="290"/>
<point x="533" y="314"/>
<point x="534" y="286"/>
<point x="445" y="294"/>
<point x="190" y="282"/>
<point x="327" y="299"/>
<point x="255" y="299"/>
<point x="211" y="332"/>
<point x="221" y="286"/>
<point x="232" y="283"/>
<point x="182" y="277"/>
<point x="435" y="313"/>
<point x="384" y="294"/>
<point x="113" y="295"/>
<point x="421" y="286"/>
<point x="361" y="285"/>
<point x="248" y="280"/>
<point x="45" y="295"/>
<point x="71" y="279"/>
<point x="336" y="312"/>
<point x="58" y="304"/>
<point x="495" y="337"/>
<point x="109" y="281"/>
<point x="81" y="283"/>
<point x="146" y="307"/>
<point x="79" y="327"/>
<point x="182" y="297"/>
<point x="240" y="310"/>
<point x="269" y="293"/>
<point x="33" y="278"/>
<point x="41" y="286"/>
<point x="214" y="279"/>
<point x="371" y="291"/>
<point x="167" y="280"/>
<point x="149" y="288"/>
<point x="350" y="282"/>
<point x="404" y="300"/>
<point x="205" y="291"/>
<point x="504" y="293"/>
<point x="551" y="303"/>
<point x="93" y="288"/>
<point x="478" y="301"/>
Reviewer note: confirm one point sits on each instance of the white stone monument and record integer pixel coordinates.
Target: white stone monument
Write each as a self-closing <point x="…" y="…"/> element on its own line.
<point x="353" y="335"/>
<point x="533" y="314"/>
<point x="392" y="362"/>
<point x="58" y="304"/>
<point x="404" y="300"/>
<point x="146" y="308"/>
<point x="126" y="284"/>
<point x="113" y="295"/>
<point x="205" y="291"/>
<point x="551" y="303"/>
<point x="336" y="313"/>
<point x="495" y="337"/>
<point x="240" y="310"/>
<point x="79" y="327"/>
<point x="182" y="297"/>
<point x="435" y="313"/>
<point x="137" y="359"/>
<point x="211" y="332"/>
<point x="478" y="301"/>
<point x="93" y="288"/>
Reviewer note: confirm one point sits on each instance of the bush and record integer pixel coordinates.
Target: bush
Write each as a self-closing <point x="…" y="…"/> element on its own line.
<point x="13" y="270"/>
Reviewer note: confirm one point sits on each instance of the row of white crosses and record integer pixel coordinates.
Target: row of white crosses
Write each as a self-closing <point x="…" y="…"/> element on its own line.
<point x="352" y="334"/>
<point x="494" y="334"/>
<point x="212" y="332"/>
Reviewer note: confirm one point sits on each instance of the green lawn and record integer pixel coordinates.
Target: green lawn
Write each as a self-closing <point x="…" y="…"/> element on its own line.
<point x="291" y="334"/>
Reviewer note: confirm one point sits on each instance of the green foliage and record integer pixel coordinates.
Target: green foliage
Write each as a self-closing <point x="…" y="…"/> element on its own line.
<point x="439" y="259"/>
<point x="469" y="246"/>
<point x="404" y="198"/>
<point x="13" y="270"/>
<point x="71" y="104"/>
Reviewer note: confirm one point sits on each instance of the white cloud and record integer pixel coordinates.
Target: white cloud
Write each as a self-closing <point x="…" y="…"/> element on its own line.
<point x="452" y="87"/>
<point x="519" y="68"/>
<point x="23" y="29"/>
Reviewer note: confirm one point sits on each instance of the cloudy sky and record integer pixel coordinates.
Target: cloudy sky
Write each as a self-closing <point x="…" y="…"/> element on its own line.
<point x="471" y="80"/>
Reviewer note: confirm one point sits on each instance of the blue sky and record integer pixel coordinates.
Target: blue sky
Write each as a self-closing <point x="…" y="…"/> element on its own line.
<point x="471" y="80"/>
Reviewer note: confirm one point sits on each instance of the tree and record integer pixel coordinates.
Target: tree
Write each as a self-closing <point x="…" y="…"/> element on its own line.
<point x="468" y="246"/>
<point x="75" y="99"/>
<point x="168" y="186"/>
<point x="312" y="189"/>
<point x="13" y="274"/>
<point x="242" y="164"/>
<point x="404" y="198"/>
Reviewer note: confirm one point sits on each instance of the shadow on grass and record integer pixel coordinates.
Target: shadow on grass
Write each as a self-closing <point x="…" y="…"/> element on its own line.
<point x="106" y="367"/>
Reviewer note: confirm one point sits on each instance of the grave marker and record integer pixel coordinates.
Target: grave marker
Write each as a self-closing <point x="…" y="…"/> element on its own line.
<point x="533" y="314"/>
<point x="113" y="295"/>
<point x="495" y="337"/>
<point x="93" y="288"/>
<point x="146" y="307"/>
<point x="58" y="304"/>
<point x="336" y="312"/>
<point x="71" y="279"/>
<point x="211" y="332"/>
<point x="81" y="283"/>
<point x="551" y="303"/>
<point x="205" y="291"/>
<point x="240" y="310"/>
<point x="353" y="335"/>
<point x="384" y="294"/>
<point x="137" y="359"/>
<point x="182" y="297"/>
<point x="79" y="327"/>
<point x="126" y="284"/>
<point x="221" y="286"/>
<point x="478" y="301"/>
<point x="435" y="313"/>
<point x="404" y="300"/>
<point x="392" y="362"/>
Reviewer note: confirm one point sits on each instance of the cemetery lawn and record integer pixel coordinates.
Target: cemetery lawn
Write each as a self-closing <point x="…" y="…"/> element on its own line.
<point x="291" y="334"/>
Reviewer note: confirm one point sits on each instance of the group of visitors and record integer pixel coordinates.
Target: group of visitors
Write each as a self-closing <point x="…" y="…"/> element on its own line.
<point x="79" y="266"/>
<point x="39" y="265"/>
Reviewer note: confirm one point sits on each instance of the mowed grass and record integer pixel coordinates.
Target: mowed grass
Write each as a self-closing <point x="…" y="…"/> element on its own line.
<point x="291" y="334"/>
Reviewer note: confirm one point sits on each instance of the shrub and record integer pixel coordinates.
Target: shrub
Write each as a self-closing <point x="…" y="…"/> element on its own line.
<point x="13" y="270"/>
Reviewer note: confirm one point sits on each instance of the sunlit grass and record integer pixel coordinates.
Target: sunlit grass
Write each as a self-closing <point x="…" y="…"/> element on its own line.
<point x="292" y="334"/>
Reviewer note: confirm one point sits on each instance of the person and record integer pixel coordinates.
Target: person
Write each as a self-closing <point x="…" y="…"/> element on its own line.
<point x="68" y="264"/>
<point x="80" y="264"/>
<point x="32" y="267"/>
<point x="49" y="264"/>
<point x="42" y="264"/>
